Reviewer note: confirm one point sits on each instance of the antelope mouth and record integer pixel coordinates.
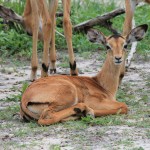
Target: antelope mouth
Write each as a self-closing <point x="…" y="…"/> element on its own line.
<point x="118" y="62"/>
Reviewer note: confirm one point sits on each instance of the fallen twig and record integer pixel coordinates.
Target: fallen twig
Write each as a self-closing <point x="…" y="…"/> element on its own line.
<point x="103" y="20"/>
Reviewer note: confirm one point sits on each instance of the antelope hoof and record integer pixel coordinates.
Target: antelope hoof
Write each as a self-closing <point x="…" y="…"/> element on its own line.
<point x="73" y="69"/>
<point x="74" y="72"/>
<point x="44" y="72"/>
<point x="52" y="71"/>
<point x="32" y="77"/>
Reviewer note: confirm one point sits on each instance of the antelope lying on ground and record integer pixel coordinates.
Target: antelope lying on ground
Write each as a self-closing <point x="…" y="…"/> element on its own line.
<point x="57" y="98"/>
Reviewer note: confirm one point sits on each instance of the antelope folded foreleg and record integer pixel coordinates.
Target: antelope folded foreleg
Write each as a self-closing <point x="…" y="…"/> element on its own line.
<point x="112" y="108"/>
<point x="66" y="113"/>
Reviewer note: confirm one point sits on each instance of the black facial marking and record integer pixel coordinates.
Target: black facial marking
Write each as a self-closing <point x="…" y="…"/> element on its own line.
<point x="73" y="67"/>
<point x="45" y="68"/>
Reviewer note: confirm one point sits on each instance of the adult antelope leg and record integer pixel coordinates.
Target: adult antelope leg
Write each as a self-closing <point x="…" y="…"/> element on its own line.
<point x="68" y="34"/>
<point x="31" y="12"/>
<point x="111" y="108"/>
<point x="52" y="9"/>
<point x="128" y="25"/>
<point x="63" y="114"/>
<point x="47" y="24"/>
<point x="130" y="7"/>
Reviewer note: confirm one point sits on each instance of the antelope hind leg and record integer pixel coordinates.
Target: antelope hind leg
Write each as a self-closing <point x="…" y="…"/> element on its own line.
<point x="63" y="114"/>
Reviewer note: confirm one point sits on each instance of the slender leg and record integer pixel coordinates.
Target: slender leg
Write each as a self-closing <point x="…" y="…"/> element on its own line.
<point x="68" y="34"/>
<point x="35" y="24"/>
<point x="46" y="38"/>
<point x="128" y="25"/>
<point x="66" y="113"/>
<point x="132" y="51"/>
<point x="130" y="8"/>
<point x="53" y="8"/>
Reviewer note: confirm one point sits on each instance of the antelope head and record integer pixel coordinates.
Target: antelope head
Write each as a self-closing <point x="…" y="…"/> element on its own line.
<point x="116" y="45"/>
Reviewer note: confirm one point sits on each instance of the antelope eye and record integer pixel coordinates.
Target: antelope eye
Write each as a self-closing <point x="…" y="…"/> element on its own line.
<point x="125" y="46"/>
<point x="108" y="47"/>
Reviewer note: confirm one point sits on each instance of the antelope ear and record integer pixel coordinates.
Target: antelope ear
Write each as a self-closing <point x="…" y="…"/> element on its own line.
<point x="96" y="36"/>
<point x="137" y="34"/>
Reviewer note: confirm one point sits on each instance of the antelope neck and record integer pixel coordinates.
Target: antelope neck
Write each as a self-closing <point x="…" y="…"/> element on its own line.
<point x="108" y="77"/>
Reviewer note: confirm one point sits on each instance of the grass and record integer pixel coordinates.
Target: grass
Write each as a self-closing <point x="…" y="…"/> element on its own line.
<point x="7" y="113"/>
<point x="55" y="147"/>
<point x="105" y="121"/>
<point x="85" y="55"/>
<point x="138" y="148"/>
<point x="127" y="142"/>
<point x="16" y="98"/>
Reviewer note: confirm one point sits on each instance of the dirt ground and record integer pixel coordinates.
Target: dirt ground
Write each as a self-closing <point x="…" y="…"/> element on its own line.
<point x="15" y="134"/>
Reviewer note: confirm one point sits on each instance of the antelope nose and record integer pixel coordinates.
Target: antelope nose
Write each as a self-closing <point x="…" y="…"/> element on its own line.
<point x="118" y="58"/>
